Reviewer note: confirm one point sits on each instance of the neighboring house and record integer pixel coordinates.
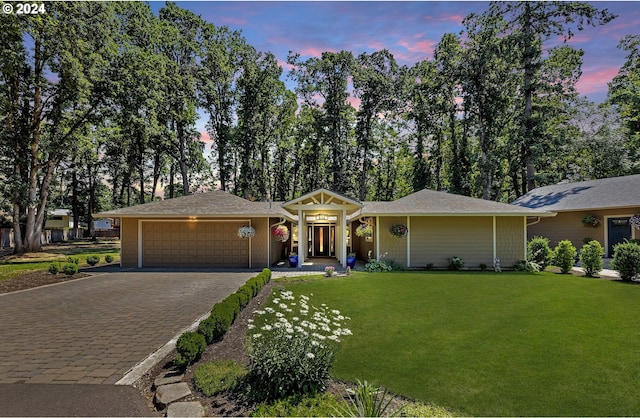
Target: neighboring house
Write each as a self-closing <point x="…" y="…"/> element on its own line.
<point x="202" y="230"/>
<point x="608" y="202"/>
<point x="59" y="218"/>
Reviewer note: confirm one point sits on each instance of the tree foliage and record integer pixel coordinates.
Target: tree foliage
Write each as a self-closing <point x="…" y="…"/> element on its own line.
<point x="101" y="103"/>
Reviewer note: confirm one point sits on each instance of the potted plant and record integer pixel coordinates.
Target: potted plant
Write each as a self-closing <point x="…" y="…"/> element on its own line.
<point x="351" y="260"/>
<point x="399" y="230"/>
<point x="330" y="271"/>
<point x="280" y="232"/>
<point x="590" y="221"/>
<point x="364" y="230"/>
<point x="246" y="232"/>
<point x="293" y="259"/>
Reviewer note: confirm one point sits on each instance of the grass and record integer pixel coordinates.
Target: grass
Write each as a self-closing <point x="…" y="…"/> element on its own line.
<point x="491" y="344"/>
<point x="10" y="267"/>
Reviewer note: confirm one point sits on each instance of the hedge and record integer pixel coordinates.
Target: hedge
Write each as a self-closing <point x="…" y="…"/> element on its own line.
<point x="216" y="325"/>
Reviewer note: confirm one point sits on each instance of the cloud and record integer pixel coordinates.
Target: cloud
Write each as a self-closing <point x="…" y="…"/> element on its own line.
<point x="596" y="81"/>
<point x="205" y="137"/>
<point x="354" y="102"/>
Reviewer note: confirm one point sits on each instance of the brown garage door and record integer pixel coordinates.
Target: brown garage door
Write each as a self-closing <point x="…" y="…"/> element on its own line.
<point x="194" y="244"/>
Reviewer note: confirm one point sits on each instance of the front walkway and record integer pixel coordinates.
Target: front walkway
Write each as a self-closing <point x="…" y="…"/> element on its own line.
<point x="313" y="265"/>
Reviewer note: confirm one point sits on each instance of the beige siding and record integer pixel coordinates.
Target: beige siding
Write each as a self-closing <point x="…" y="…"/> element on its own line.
<point x="129" y="242"/>
<point x="260" y="243"/>
<point x="436" y="239"/>
<point x="568" y="225"/>
<point x="392" y="247"/>
<point x="360" y="245"/>
<point x="65" y="222"/>
<point x="510" y="245"/>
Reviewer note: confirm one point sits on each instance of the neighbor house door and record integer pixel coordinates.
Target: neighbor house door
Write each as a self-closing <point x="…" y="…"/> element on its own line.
<point x="619" y="229"/>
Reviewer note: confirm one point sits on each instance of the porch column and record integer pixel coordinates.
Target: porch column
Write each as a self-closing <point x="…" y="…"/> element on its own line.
<point x="301" y="250"/>
<point x="495" y="245"/>
<point x="409" y="242"/>
<point x="343" y="239"/>
<point x="377" y="243"/>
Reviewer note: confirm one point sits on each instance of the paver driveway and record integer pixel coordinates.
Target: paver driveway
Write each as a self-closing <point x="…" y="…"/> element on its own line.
<point x="96" y="329"/>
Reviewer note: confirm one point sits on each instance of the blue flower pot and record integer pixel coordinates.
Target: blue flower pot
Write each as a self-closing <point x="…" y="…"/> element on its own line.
<point x="351" y="262"/>
<point x="293" y="261"/>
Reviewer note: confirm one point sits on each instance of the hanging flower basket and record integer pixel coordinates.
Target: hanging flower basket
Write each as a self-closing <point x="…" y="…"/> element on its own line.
<point x="280" y="232"/>
<point x="364" y="230"/>
<point x="399" y="230"/>
<point x="246" y="232"/>
<point x="590" y="221"/>
<point x="635" y="221"/>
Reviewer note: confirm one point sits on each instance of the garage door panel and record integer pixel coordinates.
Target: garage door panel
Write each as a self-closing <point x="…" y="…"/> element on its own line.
<point x="193" y="244"/>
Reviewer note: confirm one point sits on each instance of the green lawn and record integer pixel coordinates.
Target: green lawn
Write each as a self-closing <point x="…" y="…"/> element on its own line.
<point x="492" y="344"/>
<point x="10" y="266"/>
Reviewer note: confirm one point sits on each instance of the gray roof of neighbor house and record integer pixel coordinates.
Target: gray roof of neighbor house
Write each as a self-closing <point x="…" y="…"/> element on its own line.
<point x="213" y="203"/>
<point x="433" y="203"/>
<point x="609" y="193"/>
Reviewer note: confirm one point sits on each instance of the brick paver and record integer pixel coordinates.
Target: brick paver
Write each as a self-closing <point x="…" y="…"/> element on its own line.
<point x="96" y="329"/>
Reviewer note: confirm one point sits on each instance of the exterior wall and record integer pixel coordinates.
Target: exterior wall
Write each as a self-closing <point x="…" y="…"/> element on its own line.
<point x="510" y="240"/>
<point x="129" y="242"/>
<point x="568" y="225"/>
<point x="259" y="243"/>
<point x="360" y="245"/>
<point x="277" y="248"/>
<point x="65" y="222"/>
<point x="391" y="247"/>
<point x="436" y="239"/>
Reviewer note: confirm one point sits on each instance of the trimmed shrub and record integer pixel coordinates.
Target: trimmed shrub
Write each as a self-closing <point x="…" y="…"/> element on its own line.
<point x="74" y="260"/>
<point x="224" y="310"/>
<point x="218" y="376"/>
<point x="190" y="347"/>
<point x="539" y="252"/>
<point x="591" y="258"/>
<point x="564" y="255"/>
<point x="456" y="263"/>
<point x="54" y="268"/>
<point x="213" y="328"/>
<point x="92" y="260"/>
<point x="70" y="269"/>
<point x="626" y="259"/>
<point x="108" y="258"/>
<point x="243" y="298"/>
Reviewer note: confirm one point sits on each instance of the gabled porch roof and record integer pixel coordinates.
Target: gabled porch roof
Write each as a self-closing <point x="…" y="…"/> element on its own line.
<point x="322" y="200"/>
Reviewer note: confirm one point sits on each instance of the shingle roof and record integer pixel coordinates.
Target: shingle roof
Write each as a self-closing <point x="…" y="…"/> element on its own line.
<point x="213" y="203"/>
<point x="430" y="202"/>
<point x="223" y="204"/>
<point x="615" y="192"/>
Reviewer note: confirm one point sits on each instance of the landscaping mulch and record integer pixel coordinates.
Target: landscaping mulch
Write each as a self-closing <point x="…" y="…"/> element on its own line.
<point x="33" y="279"/>
<point x="230" y="348"/>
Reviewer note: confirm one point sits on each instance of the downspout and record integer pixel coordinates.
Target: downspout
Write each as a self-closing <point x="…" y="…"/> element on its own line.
<point x="534" y="222"/>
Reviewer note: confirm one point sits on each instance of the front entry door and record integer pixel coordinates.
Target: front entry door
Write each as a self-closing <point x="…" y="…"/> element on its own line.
<point x="321" y="244"/>
<point x="619" y="229"/>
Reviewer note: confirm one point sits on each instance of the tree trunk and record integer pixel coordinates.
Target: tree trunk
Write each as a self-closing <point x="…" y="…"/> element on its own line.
<point x="184" y="170"/>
